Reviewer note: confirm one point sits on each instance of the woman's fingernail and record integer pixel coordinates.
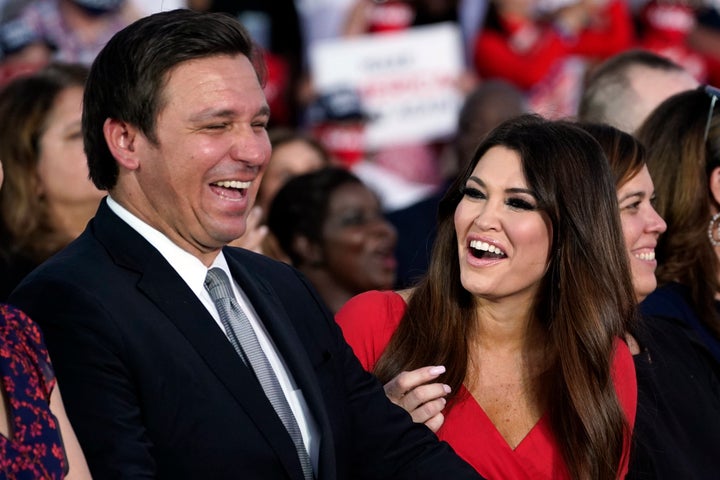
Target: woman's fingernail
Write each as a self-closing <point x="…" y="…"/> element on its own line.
<point x="437" y="370"/>
<point x="447" y="388"/>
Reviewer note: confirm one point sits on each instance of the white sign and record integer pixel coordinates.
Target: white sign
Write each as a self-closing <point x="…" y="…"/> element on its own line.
<point x="407" y="80"/>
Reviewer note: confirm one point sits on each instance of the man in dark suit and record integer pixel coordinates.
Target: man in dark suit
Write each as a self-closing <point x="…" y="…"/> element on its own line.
<point x="157" y="380"/>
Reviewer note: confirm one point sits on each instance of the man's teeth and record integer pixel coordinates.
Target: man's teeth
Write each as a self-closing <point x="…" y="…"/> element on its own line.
<point x="485" y="247"/>
<point x="646" y="256"/>
<point x="234" y="184"/>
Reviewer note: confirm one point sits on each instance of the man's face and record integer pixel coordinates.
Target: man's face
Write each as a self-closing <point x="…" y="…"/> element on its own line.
<point x="201" y="177"/>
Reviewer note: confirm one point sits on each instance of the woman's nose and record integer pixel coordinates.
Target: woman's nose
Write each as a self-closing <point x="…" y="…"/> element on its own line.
<point x="656" y="222"/>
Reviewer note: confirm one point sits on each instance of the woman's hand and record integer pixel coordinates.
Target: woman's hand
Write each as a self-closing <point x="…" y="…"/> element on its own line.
<point x="423" y="400"/>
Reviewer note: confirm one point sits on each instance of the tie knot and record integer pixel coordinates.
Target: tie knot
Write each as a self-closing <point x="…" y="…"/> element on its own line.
<point x="217" y="284"/>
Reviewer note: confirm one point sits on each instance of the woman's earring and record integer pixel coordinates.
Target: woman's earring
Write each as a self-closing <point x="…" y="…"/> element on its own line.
<point x="714" y="230"/>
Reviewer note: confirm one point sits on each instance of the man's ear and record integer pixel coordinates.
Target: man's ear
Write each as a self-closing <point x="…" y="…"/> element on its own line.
<point x="121" y="138"/>
<point x="309" y="252"/>
<point x="714" y="185"/>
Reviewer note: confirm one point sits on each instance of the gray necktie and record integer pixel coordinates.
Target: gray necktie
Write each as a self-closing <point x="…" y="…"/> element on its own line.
<point x="243" y="339"/>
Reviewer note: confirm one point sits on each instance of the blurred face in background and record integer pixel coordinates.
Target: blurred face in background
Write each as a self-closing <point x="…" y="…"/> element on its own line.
<point x="358" y="243"/>
<point x="62" y="164"/>
<point x="642" y="227"/>
<point x="288" y="160"/>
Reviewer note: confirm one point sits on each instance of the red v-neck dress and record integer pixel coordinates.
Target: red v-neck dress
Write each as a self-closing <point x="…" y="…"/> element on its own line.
<point x="369" y="320"/>
<point x="35" y="448"/>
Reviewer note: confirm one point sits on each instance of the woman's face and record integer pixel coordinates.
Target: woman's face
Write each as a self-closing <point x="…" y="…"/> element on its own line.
<point x="503" y="240"/>
<point x="288" y="160"/>
<point x="641" y="226"/>
<point x="62" y="166"/>
<point x="358" y="243"/>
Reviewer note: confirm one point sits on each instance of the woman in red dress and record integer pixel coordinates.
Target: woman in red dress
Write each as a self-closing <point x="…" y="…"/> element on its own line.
<point x="510" y="347"/>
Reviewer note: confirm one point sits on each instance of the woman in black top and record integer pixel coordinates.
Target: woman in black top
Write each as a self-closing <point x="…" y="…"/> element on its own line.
<point x="677" y="427"/>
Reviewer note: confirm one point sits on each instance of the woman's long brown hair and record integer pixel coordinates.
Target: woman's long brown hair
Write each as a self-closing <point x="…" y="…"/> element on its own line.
<point x="680" y="161"/>
<point x="585" y="299"/>
<point x="25" y="104"/>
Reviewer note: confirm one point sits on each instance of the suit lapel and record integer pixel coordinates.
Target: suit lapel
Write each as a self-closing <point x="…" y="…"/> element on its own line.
<point x="273" y="315"/>
<point x="164" y="287"/>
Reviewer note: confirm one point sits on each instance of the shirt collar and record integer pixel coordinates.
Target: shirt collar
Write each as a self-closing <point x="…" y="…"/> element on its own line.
<point x="188" y="266"/>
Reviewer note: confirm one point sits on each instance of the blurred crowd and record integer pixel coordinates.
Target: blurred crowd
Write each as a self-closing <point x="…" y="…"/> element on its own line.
<point x="545" y="49"/>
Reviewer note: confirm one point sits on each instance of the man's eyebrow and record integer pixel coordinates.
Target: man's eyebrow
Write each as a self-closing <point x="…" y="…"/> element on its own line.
<point x="211" y="113"/>
<point x="264" y="111"/>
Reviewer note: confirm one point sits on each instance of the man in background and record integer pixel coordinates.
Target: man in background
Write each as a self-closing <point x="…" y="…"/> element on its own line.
<point x="624" y="89"/>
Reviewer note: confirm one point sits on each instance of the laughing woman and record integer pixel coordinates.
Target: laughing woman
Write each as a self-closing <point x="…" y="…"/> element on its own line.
<point x="510" y="347"/>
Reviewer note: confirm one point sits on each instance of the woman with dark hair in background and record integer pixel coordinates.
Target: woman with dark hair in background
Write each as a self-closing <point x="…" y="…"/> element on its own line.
<point x="332" y="228"/>
<point x="682" y="136"/>
<point x="672" y="439"/>
<point x="523" y="309"/>
<point x="48" y="198"/>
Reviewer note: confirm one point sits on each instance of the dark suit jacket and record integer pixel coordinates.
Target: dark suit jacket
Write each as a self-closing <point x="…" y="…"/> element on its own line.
<point x="155" y="390"/>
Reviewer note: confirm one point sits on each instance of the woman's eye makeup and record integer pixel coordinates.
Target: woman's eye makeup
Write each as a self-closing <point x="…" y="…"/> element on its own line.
<point x="517" y="203"/>
<point x="471" y="192"/>
<point x="520" y="204"/>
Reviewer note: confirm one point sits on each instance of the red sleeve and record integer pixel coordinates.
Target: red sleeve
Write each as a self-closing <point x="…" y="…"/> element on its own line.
<point x="713" y="67"/>
<point x="625" y="381"/>
<point x="368" y="321"/>
<point x="611" y="32"/>
<point x="496" y="58"/>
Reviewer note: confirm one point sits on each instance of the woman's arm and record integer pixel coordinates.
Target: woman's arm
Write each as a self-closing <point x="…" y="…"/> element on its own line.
<point x="78" y="466"/>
